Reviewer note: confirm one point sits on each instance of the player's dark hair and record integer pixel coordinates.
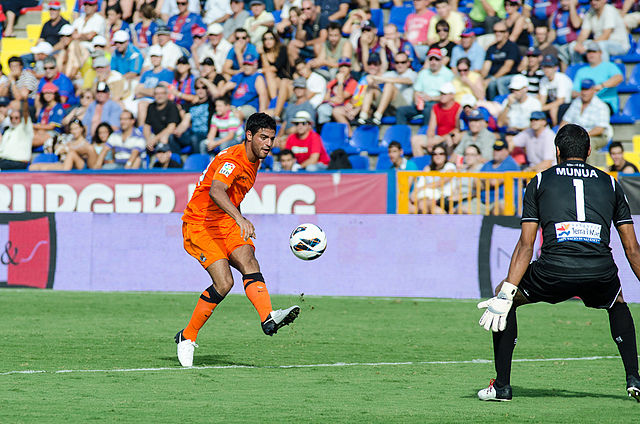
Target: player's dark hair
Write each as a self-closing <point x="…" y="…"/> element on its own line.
<point x="615" y="144"/>
<point x="395" y="144"/>
<point x="260" y="121"/>
<point x="573" y="141"/>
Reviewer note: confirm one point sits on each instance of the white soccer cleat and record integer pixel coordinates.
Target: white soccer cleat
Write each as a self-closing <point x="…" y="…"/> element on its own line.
<point x="279" y="318"/>
<point x="185" y="350"/>
<point x="494" y="393"/>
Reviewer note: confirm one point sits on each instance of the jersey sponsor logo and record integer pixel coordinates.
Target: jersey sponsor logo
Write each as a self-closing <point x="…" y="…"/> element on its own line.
<point x="578" y="231"/>
<point x="577" y="172"/>
<point x="227" y="169"/>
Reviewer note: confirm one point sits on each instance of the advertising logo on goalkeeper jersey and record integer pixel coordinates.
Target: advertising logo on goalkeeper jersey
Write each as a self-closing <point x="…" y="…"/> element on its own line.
<point x="578" y="231"/>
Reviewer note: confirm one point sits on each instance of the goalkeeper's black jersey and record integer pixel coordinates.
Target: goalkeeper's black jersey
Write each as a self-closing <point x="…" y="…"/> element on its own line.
<point x="574" y="204"/>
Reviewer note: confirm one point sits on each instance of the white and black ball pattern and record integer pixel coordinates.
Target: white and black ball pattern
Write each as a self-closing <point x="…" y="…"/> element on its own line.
<point x="308" y="241"/>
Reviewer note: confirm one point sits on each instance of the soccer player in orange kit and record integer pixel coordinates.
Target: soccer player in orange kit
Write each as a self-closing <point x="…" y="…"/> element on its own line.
<point x="217" y="235"/>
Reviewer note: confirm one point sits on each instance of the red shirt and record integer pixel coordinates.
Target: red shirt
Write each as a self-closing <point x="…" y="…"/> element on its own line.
<point x="445" y="118"/>
<point x="303" y="148"/>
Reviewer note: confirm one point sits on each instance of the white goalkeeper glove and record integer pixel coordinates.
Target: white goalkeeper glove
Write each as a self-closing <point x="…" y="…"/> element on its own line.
<point x="495" y="317"/>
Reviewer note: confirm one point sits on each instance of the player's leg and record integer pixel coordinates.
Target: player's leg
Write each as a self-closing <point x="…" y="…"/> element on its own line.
<point x="243" y="259"/>
<point x="623" y="333"/>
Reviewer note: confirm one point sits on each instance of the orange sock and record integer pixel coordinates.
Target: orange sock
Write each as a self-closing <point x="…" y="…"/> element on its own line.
<point x="257" y="292"/>
<point x="208" y="301"/>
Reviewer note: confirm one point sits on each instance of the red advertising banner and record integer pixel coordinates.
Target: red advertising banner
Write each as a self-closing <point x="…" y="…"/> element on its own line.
<point x="169" y="192"/>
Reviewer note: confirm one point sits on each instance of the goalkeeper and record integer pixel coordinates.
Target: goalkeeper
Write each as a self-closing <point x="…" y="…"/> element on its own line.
<point x="574" y="204"/>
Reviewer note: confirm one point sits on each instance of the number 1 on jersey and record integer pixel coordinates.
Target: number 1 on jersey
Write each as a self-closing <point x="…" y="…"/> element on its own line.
<point x="579" y="188"/>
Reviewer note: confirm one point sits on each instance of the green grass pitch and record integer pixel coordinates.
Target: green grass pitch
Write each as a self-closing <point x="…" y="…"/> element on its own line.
<point x="391" y="349"/>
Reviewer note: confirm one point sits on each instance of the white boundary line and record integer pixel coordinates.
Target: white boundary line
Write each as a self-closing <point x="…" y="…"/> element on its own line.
<point x="334" y="365"/>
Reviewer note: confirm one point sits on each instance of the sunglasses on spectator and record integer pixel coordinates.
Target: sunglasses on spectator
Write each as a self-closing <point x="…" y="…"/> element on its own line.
<point x="182" y="4"/>
<point x="301" y="123"/>
<point x="49" y="67"/>
<point x="433" y="58"/>
<point x="241" y="38"/>
<point x="401" y="62"/>
<point x="498" y="31"/>
<point x="439" y="154"/>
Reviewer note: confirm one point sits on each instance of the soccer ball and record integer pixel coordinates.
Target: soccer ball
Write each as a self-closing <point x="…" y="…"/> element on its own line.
<point x="308" y="242"/>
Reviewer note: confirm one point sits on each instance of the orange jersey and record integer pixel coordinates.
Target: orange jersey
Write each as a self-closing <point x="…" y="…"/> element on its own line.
<point x="232" y="167"/>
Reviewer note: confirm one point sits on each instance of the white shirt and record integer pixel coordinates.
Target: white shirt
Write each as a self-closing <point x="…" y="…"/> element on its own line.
<point x="16" y="142"/>
<point x="560" y="87"/>
<point x="256" y="34"/>
<point x="216" y="9"/>
<point x="316" y="84"/>
<point x="170" y="55"/>
<point x="519" y="113"/>
<point x="96" y="23"/>
<point x="170" y="8"/>
<point x="406" y="90"/>
<point x="219" y="55"/>
<point x="610" y="19"/>
<point x="286" y="7"/>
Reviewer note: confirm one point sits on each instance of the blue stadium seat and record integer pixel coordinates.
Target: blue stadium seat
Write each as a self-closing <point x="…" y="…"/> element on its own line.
<point x="365" y="138"/>
<point x="388" y="120"/>
<point x="634" y="77"/>
<point x="196" y="162"/>
<point x="500" y="98"/>
<point x="45" y="158"/>
<point x="422" y="161"/>
<point x="423" y="130"/>
<point x="626" y="86"/>
<point x="335" y="136"/>
<point x="276" y="16"/>
<point x="632" y="55"/>
<point x="186" y="150"/>
<point x="384" y="163"/>
<point x="399" y="133"/>
<point x="176" y="157"/>
<point x="572" y="69"/>
<point x="631" y="112"/>
<point x="267" y="163"/>
<point x="359" y="162"/>
<point x="398" y="16"/>
<point x="378" y="19"/>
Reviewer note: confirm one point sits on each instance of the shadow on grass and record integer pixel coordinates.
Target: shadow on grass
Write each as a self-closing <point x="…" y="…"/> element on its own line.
<point x="528" y="392"/>
<point x="208" y="360"/>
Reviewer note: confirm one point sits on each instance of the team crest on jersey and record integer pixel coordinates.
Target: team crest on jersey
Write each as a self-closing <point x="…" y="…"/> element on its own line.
<point x="227" y="169"/>
<point x="578" y="231"/>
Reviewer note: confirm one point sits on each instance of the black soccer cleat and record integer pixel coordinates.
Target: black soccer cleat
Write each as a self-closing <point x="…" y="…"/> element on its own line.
<point x="279" y="318"/>
<point x="495" y="393"/>
<point x="633" y="387"/>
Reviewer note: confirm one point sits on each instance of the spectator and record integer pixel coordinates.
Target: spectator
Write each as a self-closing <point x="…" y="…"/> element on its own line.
<point x="542" y="39"/>
<point x="170" y="51"/>
<point x="470" y="49"/>
<point x="518" y="26"/>
<point x="225" y="129"/>
<point x="605" y="74"/>
<point x="518" y="106"/>
<point x="146" y="28"/>
<point x="431" y="194"/>
<point x="416" y="28"/>
<point x="477" y="135"/>
<point x="115" y="23"/>
<point x="339" y="92"/>
<point x="620" y="164"/>
<point x="182" y="24"/>
<point x="103" y="109"/>
<point x="466" y="81"/>
<point x="89" y="24"/>
<point x="241" y="47"/>
<point x="532" y="70"/>
<point x="182" y="89"/>
<point x="216" y="12"/>
<point x="287" y="162"/>
<point x="50" y="31"/>
<point x="444" y="124"/>
<point x="538" y="143"/>
<point x="217" y="48"/>
<point x="161" y="121"/>
<point x="311" y="33"/>
<point x="163" y="158"/>
<point x="275" y="64"/>
<point x="127" y="143"/>
<point x="472" y="161"/>
<point x="426" y="89"/>
<point x="630" y="13"/>
<point x="249" y="89"/>
<point x="70" y="148"/>
<point x="501" y="62"/>
<point x="11" y="10"/>
<point x="196" y="115"/>
<point x="35" y="61"/>
<point x="398" y="161"/>
<point x="127" y="59"/>
<point x="353" y="26"/>
<point x="50" y="115"/>
<point x="592" y="114"/>
<point x="238" y="16"/>
<point x="22" y="83"/>
<point x="604" y="23"/>
<point x="104" y="73"/>
<point x="555" y="90"/>
<point x="453" y="18"/>
<point x="565" y="26"/>
<point x="288" y="27"/>
<point x="170" y="8"/>
<point x="300" y="103"/>
<point x="72" y="55"/>
<point x="64" y="84"/>
<point x="213" y="80"/>
<point x="396" y="91"/>
<point x="443" y="43"/>
<point x="332" y="50"/>
<point x="539" y="11"/>
<point x="316" y="85"/>
<point x="369" y="44"/>
<point x="259" y="22"/>
<point x="15" y="145"/>
<point x="100" y="153"/>
<point x="392" y="43"/>
<point x="306" y="144"/>
<point x="486" y="13"/>
<point x="150" y="80"/>
<point x="334" y="10"/>
<point x="78" y="112"/>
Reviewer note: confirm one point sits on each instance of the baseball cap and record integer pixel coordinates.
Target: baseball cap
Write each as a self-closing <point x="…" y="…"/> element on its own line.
<point x="435" y="52"/>
<point x="447" y="88"/>
<point x="197" y="31"/>
<point x="102" y="87"/>
<point x="374" y="58"/>
<point x="42" y="47"/>
<point x="475" y="115"/>
<point x="301" y="116"/>
<point x="468" y="100"/>
<point x="65" y="30"/>
<point x="250" y="58"/>
<point x="207" y="61"/>
<point x="163" y="30"/>
<point x="100" y="62"/>
<point x="549" y="60"/>
<point x="538" y="115"/>
<point x="120" y="36"/>
<point x="467" y="33"/>
<point x="533" y="51"/>
<point x="49" y="87"/>
<point x="592" y="46"/>
<point x="252" y="2"/>
<point x="215" y="29"/>
<point x="344" y="61"/>
<point x="500" y="144"/>
<point x="90" y="2"/>
<point x="162" y="147"/>
<point x="184" y="60"/>
<point x="587" y="84"/>
<point x="99" y="40"/>
<point x="54" y="5"/>
<point x="155" y="50"/>
<point x="4" y="101"/>
<point x="300" y="83"/>
<point x="518" y="82"/>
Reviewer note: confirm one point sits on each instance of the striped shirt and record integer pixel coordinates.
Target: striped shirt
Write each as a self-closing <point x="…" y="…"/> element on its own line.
<point x="227" y="123"/>
<point x="28" y="81"/>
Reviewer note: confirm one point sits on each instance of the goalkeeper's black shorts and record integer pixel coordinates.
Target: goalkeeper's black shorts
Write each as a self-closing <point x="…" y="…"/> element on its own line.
<point x="542" y="284"/>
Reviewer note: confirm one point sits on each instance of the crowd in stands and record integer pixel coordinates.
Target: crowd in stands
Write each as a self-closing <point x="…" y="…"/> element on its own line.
<point x="132" y="84"/>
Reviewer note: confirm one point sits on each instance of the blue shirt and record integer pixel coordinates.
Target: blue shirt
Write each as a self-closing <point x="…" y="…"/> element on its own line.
<point x="507" y="165"/>
<point x="65" y="88"/>
<point x="245" y="92"/>
<point x="181" y="29"/>
<point x="151" y="79"/>
<point x="56" y="114"/>
<point x="110" y="114"/>
<point x="200" y="118"/>
<point x="232" y="55"/>
<point x="145" y="38"/>
<point x="130" y="61"/>
<point x="600" y="74"/>
<point x="475" y="55"/>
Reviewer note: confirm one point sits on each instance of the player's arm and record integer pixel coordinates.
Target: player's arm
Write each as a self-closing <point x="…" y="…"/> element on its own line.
<point x="522" y="253"/>
<point x="218" y="194"/>
<point x="631" y="248"/>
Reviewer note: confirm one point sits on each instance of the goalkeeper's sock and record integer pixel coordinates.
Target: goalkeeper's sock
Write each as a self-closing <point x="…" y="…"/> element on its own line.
<point x="624" y="334"/>
<point x="208" y="301"/>
<point x="503" y="344"/>
<point x="256" y="291"/>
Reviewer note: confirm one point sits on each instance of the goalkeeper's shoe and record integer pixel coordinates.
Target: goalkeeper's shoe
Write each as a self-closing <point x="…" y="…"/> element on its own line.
<point x="279" y="318"/>
<point x="185" y="350"/>
<point x="633" y="387"/>
<point x="499" y="394"/>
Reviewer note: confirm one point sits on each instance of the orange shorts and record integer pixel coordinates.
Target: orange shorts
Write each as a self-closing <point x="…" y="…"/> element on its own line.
<point x="210" y="244"/>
